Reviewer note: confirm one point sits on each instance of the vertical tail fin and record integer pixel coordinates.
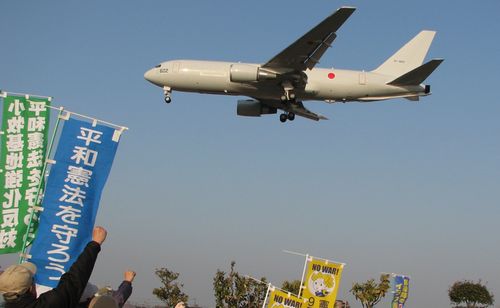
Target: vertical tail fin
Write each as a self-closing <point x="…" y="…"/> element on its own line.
<point x="409" y="57"/>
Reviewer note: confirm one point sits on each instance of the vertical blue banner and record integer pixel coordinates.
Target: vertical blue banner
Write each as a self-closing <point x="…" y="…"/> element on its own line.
<point x="401" y="288"/>
<point x="83" y="161"/>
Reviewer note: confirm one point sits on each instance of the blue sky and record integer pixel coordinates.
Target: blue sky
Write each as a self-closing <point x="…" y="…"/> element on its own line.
<point x="393" y="186"/>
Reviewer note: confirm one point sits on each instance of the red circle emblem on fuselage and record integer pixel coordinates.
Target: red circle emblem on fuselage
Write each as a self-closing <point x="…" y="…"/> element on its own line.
<point x="331" y="75"/>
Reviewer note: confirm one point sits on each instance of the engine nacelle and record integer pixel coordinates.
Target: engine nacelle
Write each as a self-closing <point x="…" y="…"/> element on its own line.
<point x="249" y="73"/>
<point x="253" y="108"/>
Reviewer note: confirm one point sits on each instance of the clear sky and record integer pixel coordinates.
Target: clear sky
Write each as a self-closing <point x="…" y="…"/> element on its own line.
<point x="392" y="186"/>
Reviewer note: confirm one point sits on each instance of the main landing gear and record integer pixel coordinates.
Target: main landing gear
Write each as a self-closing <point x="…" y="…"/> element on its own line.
<point x="287" y="98"/>
<point x="288" y="94"/>
<point x="290" y="116"/>
<point x="167" y="91"/>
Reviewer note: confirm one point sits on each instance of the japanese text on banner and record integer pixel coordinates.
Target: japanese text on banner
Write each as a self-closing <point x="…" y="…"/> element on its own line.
<point x="83" y="161"/>
<point x="23" y="149"/>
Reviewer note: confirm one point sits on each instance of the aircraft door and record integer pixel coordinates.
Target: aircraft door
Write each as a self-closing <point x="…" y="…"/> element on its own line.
<point x="175" y="67"/>
<point x="362" y="78"/>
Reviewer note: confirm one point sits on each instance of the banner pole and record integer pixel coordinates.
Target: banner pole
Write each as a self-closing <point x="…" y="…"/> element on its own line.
<point x="4" y="93"/>
<point x="91" y="118"/>
<point x="267" y="295"/>
<point x="294" y="253"/>
<point x="316" y="258"/>
<point x="255" y="279"/>
<point x="303" y="274"/>
<point x="99" y="121"/>
<point x="22" y="256"/>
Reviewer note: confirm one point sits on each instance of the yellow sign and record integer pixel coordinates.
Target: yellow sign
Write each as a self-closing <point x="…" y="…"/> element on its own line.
<point x="279" y="299"/>
<point x="321" y="283"/>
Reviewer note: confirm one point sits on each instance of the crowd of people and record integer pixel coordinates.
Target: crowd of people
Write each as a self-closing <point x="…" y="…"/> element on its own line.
<point x="73" y="290"/>
<point x="19" y="290"/>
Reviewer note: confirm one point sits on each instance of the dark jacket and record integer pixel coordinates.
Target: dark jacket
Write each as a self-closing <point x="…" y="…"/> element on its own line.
<point x="70" y="287"/>
<point x="123" y="293"/>
<point x="120" y="295"/>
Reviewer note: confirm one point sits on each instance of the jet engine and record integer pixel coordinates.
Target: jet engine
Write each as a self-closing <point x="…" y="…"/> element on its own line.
<point x="253" y="108"/>
<point x="249" y="73"/>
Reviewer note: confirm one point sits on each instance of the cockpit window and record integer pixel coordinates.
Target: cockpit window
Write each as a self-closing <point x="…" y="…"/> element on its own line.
<point x="159" y="65"/>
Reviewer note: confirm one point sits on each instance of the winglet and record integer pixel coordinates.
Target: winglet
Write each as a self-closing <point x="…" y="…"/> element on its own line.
<point x="418" y="75"/>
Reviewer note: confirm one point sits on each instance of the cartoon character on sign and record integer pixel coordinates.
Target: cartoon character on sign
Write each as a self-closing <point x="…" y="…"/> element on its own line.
<point x="321" y="284"/>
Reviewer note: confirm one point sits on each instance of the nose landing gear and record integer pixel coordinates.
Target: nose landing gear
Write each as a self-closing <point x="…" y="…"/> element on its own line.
<point x="167" y="91"/>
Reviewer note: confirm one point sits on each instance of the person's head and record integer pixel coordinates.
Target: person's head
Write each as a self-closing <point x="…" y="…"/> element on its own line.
<point x="181" y="305"/>
<point x="103" y="301"/>
<point x="17" y="280"/>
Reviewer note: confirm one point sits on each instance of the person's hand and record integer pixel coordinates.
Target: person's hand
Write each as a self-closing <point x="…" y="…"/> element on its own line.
<point x="99" y="235"/>
<point x="129" y="276"/>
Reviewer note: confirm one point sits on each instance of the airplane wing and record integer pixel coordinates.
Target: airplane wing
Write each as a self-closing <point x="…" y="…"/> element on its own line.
<point x="306" y="52"/>
<point x="296" y="107"/>
<point x="299" y="109"/>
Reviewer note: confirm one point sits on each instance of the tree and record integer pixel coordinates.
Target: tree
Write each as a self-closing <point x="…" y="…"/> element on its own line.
<point x="170" y="293"/>
<point x="232" y="290"/>
<point x="473" y="295"/>
<point x="370" y="293"/>
<point x="291" y="286"/>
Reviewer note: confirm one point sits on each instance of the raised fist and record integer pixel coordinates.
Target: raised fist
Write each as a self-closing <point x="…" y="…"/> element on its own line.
<point x="129" y="276"/>
<point x="99" y="235"/>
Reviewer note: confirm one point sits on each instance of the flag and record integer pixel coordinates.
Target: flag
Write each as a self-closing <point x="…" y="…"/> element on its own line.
<point x="279" y="298"/>
<point x="321" y="282"/>
<point x="83" y="161"/>
<point x="401" y="288"/>
<point x="22" y="157"/>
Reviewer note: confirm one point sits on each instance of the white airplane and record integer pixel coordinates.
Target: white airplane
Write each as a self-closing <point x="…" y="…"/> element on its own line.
<point x="290" y="78"/>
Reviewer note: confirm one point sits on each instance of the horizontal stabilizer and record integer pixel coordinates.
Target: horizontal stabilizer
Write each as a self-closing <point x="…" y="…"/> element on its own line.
<point x="418" y="75"/>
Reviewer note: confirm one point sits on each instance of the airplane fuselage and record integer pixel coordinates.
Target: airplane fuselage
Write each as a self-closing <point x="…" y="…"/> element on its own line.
<point x="291" y="76"/>
<point x="214" y="77"/>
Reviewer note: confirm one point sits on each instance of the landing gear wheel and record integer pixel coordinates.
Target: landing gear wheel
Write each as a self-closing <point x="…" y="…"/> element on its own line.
<point x="292" y="95"/>
<point x="284" y="98"/>
<point x="283" y="117"/>
<point x="291" y="116"/>
<point x="166" y="92"/>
